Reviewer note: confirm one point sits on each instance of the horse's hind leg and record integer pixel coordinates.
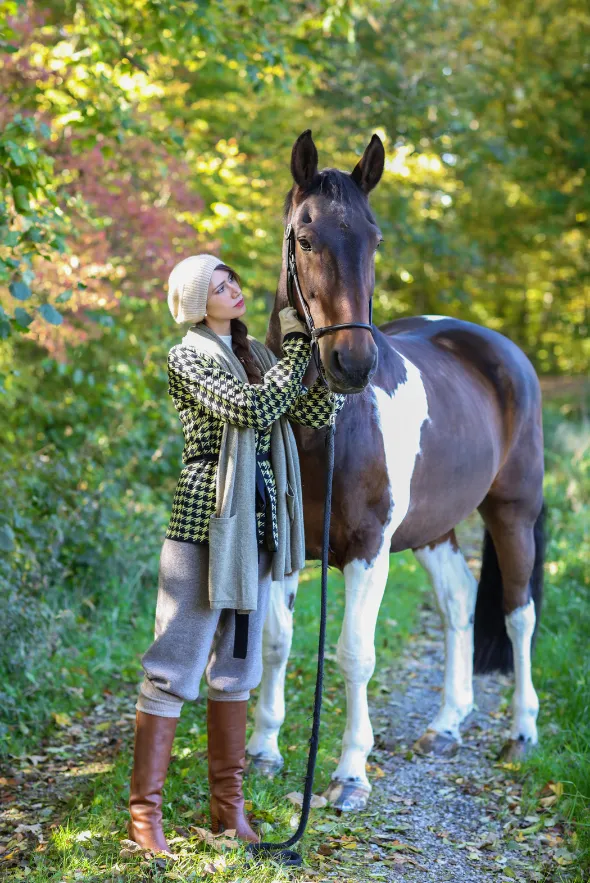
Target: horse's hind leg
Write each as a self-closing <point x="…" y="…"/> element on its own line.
<point x="512" y="530"/>
<point x="456" y="591"/>
<point x="263" y="745"/>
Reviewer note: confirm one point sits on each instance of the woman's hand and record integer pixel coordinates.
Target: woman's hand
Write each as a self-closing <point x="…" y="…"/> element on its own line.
<point x="291" y="321"/>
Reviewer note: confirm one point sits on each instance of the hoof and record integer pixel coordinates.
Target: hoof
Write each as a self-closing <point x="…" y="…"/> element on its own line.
<point x="439" y="744"/>
<point x="515" y="749"/>
<point x="263" y="766"/>
<point x="348" y="795"/>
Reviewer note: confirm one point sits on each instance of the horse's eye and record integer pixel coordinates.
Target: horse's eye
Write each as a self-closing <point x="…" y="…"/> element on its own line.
<point x="305" y="244"/>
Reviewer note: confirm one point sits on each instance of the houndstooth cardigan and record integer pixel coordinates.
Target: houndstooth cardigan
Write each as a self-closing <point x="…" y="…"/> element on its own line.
<point x="206" y="397"/>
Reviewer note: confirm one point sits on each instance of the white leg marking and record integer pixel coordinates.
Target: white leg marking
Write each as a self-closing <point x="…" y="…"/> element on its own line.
<point x="356" y="658"/>
<point x="456" y="591"/>
<point x="520" y="625"/>
<point x="399" y="417"/>
<point x="276" y="645"/>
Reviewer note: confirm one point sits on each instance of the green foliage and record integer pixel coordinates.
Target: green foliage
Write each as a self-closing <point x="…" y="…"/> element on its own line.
<point x="31" y="223"/>
<point x="86" y="483"/>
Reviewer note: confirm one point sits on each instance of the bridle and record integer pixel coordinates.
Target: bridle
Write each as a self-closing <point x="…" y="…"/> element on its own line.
<point x="293" y="279"/>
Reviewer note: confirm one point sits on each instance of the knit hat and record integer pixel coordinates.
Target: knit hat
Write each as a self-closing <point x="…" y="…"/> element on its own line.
<point x="188" y="285"/>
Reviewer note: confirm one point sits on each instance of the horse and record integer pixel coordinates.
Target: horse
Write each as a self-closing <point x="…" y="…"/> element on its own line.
<point x="442" y="417"/>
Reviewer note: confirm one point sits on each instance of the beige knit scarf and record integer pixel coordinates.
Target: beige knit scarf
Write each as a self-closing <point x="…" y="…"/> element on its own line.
<point x="233" y="548"/>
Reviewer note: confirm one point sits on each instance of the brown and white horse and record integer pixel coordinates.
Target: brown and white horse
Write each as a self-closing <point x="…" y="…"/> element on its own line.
<point x="445" y="419"/>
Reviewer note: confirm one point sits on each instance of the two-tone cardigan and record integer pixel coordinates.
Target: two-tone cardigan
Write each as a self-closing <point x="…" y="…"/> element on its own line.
<point x="206" y="397"/>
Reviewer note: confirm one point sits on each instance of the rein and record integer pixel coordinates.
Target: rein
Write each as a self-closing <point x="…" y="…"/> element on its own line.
<point x="283" y="854"/>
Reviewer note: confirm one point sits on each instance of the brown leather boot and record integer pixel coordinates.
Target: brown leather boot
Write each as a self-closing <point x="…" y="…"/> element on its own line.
<point x="226" y="748"/>
<point x="151" y="755"/>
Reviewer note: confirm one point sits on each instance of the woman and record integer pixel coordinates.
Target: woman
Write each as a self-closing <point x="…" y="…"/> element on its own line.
<point x="236" y="524"/>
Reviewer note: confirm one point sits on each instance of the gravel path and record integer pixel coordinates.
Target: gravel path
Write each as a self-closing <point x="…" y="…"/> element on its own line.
<point x="441" y="819"/>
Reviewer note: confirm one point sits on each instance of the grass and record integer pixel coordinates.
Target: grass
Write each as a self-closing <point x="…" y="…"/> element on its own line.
<point x="105" y="654"/>
<point x="86" y="846"/>
<point x="561" y="667"/>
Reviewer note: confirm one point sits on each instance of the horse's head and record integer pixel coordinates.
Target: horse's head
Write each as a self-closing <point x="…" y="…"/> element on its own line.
<point x="336" y="238"/>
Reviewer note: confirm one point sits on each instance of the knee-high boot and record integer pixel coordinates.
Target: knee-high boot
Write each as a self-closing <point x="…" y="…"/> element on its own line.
<point x="226" y="748"/>
<point x="151" y="755"/>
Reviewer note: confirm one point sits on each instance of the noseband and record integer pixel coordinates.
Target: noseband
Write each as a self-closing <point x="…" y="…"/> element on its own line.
<point x="293" y="279"/>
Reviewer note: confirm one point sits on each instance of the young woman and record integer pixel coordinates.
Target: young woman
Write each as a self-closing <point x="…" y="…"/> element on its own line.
<point x="212" y="597"/>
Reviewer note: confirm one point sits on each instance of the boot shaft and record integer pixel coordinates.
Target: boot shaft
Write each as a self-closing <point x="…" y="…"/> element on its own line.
<point x="226" y="749"/>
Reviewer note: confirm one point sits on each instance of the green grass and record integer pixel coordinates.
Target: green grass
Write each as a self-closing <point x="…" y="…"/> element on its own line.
<point x="561" y="666"/>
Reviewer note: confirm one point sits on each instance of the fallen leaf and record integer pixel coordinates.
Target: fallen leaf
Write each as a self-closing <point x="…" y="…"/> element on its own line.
<point x="26" y="829"/>
<point x="317" y="801"/>
<point x="218" y="864"/>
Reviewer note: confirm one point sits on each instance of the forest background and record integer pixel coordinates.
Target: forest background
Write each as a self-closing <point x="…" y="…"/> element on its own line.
<point x="135" y="133"/>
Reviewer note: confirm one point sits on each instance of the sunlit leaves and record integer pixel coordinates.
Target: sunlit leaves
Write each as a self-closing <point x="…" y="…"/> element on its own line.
<point x="50" y="314"/>
<point x="19" y="290"/>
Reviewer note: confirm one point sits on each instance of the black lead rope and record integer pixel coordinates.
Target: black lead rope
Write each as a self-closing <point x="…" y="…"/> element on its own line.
<point x="282" y="851"/>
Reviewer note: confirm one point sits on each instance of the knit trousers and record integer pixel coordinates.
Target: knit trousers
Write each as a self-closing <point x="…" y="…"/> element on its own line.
<point x="190" y="639"/>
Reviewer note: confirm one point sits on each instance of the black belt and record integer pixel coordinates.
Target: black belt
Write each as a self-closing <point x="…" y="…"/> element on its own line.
<point x="215" y="457"/>
<point x="241" y="619"/>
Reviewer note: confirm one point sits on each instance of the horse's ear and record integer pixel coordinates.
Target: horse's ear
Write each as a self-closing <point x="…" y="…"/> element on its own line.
<point x="304" y="161"/>
<point x="367" y="172"/>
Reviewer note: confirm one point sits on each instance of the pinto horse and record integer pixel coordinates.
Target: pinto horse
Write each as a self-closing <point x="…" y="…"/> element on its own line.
<point x="444" y="418"/>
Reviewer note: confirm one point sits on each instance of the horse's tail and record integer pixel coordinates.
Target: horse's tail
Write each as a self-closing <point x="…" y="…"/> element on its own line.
<point x="492" y="647"/>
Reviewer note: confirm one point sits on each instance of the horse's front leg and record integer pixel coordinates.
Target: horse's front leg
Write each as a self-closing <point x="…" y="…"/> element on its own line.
<point x="456" y="591"/>
<point x="263" y="745"/>
<point x="349" y="789"/>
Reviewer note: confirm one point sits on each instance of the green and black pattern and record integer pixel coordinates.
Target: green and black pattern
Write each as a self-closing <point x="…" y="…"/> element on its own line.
<point x="206" y="396"/>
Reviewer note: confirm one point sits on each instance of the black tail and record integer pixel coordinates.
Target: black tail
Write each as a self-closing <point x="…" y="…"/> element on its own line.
<point x="493" y="650"/>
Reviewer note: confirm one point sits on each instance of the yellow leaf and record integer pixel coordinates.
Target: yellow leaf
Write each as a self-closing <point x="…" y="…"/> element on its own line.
<point x="62" y="720"/>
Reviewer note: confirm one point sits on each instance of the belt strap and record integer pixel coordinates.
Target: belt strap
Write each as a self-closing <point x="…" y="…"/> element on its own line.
<point x="214" y="458"/>
<point x="242" y="621"/>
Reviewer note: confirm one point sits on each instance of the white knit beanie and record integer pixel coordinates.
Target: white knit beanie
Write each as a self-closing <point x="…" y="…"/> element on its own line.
<point x="188" y="285"/>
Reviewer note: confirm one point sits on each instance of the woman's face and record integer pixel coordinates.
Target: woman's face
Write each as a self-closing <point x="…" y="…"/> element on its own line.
<point x="224" y="297"/>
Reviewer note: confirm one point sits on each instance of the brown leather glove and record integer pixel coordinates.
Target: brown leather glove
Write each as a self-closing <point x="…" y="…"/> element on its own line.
<point x="290" y="321"/>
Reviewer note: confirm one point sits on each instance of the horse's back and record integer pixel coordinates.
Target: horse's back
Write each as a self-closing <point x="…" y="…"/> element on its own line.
<point x="483" y="418"/>
<point x="490" y="354"/>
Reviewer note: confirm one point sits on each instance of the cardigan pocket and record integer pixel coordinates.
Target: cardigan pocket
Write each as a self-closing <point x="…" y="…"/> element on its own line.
<point x="223" y="538"/>
<point x="290" y="495"/>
